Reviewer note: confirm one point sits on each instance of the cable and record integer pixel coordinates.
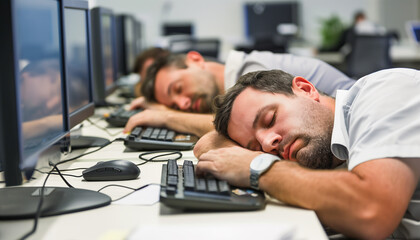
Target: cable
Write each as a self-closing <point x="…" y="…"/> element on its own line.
<point x="103" y="128"/>
<point x="38" y="210"/>
<point x="54" y="167"/>
<point x="141" y="156"/>
<point x="134" y="189"/>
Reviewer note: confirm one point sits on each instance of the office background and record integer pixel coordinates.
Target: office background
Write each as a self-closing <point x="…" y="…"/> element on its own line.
<point x="224" y="19"/>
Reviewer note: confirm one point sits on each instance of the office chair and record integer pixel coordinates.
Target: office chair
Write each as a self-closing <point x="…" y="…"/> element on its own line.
<point x="369" y="53"/>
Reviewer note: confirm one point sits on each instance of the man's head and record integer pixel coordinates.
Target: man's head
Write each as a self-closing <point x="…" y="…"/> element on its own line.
<point x="274" y="112"/>
<point x="181" y="81"/>
<point x="144" y="60"/>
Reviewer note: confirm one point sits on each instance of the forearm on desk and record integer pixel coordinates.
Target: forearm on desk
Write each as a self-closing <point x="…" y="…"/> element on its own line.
<point x="195" y="123"/>
<point x="366" y="203"/>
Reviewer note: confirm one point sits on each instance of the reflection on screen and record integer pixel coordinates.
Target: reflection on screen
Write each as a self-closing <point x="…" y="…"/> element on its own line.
<point x="77" y="61"/>
<point x="40" y="76"/>
<point x="130" y="42"/>
<point x="107" y="49"/>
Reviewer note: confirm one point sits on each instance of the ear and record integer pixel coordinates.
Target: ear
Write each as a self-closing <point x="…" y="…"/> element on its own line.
<point x="301" y="86"/>
<point x="195" y="58"/>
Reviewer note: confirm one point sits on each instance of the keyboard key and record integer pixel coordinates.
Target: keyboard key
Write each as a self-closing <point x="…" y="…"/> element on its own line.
<point x="172" y="168"/>
<point x="162" y="134"/>
<point x="146" y="133"/>
<point x="170" y="136"/>
<point x="200" y="184"/>
<point x="212" y="185"/>
<point x="155" y="133"/>
<point x="136" y="132"/>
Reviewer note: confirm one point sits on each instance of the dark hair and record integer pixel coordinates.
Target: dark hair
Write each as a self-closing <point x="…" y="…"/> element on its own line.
<point x="153" y="52"/>
<point x="148" y="85"/>
<point x="273" y="81"/>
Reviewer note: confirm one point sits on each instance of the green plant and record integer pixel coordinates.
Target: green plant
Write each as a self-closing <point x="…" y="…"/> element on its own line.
<point x="331" y="30"/>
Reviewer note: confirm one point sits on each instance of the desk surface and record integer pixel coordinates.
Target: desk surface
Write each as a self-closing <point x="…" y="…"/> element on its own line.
<point x="119" y="221"/>
<point x="400" y="53"/>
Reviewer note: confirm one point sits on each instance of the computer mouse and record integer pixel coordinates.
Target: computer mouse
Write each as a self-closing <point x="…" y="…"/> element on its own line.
<point x="113" y="170"/>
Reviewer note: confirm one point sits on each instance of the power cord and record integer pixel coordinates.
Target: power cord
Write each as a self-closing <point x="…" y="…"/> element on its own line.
<point x="122" y="186"/>
<point x="54" y="168"/>
<point x="162" y="154"/>
<point x="103" y="128"/>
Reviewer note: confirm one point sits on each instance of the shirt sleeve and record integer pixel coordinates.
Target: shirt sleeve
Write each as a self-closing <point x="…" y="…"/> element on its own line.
<point x="384" y="116"/>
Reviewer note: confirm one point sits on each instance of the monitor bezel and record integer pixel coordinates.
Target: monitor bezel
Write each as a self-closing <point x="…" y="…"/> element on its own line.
<point x="101" y="91"/>
<point x="84" y="112"/>
<point x="11" y="137"/>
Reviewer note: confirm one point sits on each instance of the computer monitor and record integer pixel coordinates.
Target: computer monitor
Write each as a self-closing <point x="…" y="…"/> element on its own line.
<point x="413" y="31"/>
<point x="78" y="69"/>
<point x="104" y="53"/>
<point x="33" y="109"/>
<point x="169" y="29"/>
<point x="265" y="20"/>
<point x="126" y="43"/>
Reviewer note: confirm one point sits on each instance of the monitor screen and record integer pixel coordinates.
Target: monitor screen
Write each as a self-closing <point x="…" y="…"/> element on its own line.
<point x="33" y="110"/>
<point x="169" y="29"/>
<point x="40" y="93"/>
<point x="33" y="105"/>
<point x="104" y="53"/>
<point x="78" y="67"/>
<point x="130" y="42"/>
<point x="127" y="35"/>
<point x="107" y="50"/>
<point x="264" y="20"/>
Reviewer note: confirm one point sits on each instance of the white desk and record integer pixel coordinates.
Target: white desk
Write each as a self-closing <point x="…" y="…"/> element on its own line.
<point x="118" y="221"/>
<point x="403" y="54"/>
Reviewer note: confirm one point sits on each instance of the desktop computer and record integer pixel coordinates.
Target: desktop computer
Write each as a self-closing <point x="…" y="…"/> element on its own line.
<point x="127" y="35"/>
<point x="104" y="54"/>
<point x="33" y="110"/>
<point x="78" y="70"/>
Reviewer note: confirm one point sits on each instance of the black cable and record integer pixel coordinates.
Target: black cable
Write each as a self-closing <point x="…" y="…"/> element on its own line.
<point x="38" y="210"/>
<point x="54" y="167"/>
<point x="54" y="173"/>
<point x="134" y="189"/>
<point x="104" y="129"/>
<point x="164" y="153"/>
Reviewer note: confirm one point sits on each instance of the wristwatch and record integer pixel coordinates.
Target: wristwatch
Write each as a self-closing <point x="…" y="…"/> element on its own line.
<point x="259" y="165"/>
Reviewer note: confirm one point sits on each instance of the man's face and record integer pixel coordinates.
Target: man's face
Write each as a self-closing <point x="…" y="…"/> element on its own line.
<point x="296" y="128"/>
<point x="191" y="89"/>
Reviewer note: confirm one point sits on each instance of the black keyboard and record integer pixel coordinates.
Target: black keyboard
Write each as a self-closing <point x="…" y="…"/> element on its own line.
<point x="181" y="188"/>
<point x="149" y="138"/>
<point x="119" y="117"/>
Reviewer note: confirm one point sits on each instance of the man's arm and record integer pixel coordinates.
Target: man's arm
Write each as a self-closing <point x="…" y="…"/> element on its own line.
<point x="194" y="123"/>
<point x="367" y="202"/>
<point x="211" y="140"/>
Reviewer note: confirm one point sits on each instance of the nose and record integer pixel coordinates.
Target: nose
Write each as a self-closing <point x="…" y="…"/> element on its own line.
<point x="269" y="141"/>
<point x="183" y="103"/>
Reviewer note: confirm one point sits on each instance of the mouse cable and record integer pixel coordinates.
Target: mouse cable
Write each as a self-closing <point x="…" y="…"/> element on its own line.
<point x="63" y="174"/>
<point x="104" y="128"/>
<point x="122" y="186"/>
<point x="162" y="154"/>
<point x="54" y="168"/>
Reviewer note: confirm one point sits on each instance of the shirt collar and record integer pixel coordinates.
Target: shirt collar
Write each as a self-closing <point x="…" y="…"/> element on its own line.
<point x="340" y="137"/>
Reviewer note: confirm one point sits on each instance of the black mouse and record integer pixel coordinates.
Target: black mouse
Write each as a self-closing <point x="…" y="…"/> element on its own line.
<point x="111" y="171"/>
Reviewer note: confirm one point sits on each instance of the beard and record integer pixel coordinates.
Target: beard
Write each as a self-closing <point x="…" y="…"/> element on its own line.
<point x="318" y="122"/>
<point x="206" y="105"/>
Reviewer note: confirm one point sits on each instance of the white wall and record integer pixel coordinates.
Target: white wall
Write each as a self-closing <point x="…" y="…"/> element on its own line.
<point x="224" y="18"/>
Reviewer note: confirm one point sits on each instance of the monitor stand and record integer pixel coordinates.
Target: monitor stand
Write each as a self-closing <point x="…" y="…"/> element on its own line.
<point x="79" y="142"/>
<point x="22" y="202"/>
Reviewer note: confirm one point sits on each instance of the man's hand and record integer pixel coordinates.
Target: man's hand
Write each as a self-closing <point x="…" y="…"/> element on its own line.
<point x="210" y="141"/>
<point x="228" y="163"/>
<point x="148" y="117"/>
<point x="141" y="102"/>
